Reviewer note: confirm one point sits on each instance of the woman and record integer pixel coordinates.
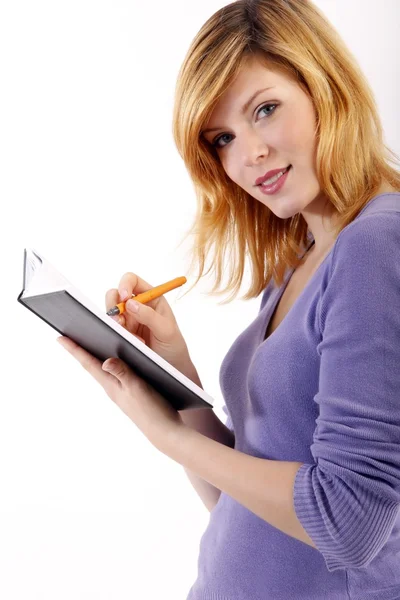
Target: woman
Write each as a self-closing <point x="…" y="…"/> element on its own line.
<point x="279" y="131"/>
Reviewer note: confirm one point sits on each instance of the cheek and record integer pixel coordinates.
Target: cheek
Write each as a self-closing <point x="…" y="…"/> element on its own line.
<point x="231" y="167"/>
<point x="302" y="134"/>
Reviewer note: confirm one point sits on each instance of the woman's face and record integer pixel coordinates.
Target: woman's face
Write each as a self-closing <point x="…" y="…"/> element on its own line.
<point x="276" y="130"/>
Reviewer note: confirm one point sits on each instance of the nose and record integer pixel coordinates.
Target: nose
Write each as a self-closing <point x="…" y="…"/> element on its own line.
<point x="254" y="149"/>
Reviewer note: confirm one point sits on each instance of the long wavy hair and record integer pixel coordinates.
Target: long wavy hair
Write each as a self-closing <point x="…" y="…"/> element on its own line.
<point x="352" y="161"/>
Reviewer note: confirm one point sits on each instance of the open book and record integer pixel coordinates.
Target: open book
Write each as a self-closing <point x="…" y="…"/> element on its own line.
<point x="62" y="306"/>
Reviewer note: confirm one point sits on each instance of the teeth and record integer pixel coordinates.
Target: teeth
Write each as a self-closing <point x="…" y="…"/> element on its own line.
<point x="274" y="178"/>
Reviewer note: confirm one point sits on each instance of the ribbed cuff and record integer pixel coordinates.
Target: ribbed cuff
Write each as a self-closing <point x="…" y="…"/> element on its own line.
<point x="206" y="596"/>
<point x="348" y="524"/>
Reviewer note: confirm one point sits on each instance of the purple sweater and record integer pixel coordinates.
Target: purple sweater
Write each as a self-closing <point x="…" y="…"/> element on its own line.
<point x="324" y="390"/>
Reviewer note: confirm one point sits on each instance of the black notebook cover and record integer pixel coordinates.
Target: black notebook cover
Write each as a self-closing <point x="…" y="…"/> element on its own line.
<point x="70" y="317"/>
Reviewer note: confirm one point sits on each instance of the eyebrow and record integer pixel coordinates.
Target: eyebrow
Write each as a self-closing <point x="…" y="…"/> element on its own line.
<point x="244" y="107"/>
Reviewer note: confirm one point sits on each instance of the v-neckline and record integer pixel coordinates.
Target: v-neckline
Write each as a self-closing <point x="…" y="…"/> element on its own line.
<point x="279" y="294"/>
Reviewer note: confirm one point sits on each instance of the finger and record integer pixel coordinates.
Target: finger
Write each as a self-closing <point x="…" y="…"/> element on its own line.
<point x="112" y="298"/>
<point x="130" y="284"/>
<point x="90" y="363"/>
<point x="120" y="319"/>
<point x="161" y="328"/>
<point x="120" y="371"/>
<point x="139" y="338"/>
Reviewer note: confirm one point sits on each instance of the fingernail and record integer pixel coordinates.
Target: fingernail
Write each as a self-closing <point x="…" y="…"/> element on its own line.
<point x="123" y="294"/>
<point x="132" y="306"/>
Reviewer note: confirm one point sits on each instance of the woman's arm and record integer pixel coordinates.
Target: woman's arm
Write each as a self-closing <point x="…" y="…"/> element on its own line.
<point x="206" y="422"/>
<point x="263" y="486"/>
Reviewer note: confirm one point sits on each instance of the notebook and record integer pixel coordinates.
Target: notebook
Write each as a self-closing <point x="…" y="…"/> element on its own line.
<point x="51" y="297"/>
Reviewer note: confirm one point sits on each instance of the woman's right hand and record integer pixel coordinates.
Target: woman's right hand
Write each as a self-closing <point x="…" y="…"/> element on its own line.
<point x="154" y="323"/>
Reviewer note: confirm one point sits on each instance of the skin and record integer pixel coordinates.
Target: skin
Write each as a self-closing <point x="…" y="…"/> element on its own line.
<point x="273" y="137"/>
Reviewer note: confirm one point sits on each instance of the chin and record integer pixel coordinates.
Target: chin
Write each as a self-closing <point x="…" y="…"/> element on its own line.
<point x="287" y="206"/>
<point x="282" y="209"/>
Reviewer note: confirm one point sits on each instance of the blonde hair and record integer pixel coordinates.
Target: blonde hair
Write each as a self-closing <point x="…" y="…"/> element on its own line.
<point x="352" y="161"/>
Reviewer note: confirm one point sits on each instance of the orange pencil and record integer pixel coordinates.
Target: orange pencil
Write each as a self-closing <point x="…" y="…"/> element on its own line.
<point x="155" y="292"/>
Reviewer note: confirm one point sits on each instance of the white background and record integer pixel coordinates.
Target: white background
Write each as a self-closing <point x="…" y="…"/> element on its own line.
<point x="90" y="177"/>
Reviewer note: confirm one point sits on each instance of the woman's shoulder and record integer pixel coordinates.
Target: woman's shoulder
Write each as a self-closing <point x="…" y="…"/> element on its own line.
<point x="377" y="224"/>
<point x="384" y="202"/>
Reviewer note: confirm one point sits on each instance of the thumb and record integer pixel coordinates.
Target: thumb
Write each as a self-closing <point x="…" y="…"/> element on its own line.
<point x="118" y="369"/>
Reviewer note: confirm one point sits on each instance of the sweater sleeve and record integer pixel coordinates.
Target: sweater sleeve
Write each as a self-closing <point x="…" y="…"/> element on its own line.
<point x="349" y="498"/>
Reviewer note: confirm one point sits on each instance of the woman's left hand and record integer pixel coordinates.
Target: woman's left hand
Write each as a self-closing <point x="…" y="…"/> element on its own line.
<point x="150" y="412"/>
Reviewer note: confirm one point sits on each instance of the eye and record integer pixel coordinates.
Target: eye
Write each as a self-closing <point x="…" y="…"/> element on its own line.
<point x="267" y="106"/>
<point x="216" y="143"/>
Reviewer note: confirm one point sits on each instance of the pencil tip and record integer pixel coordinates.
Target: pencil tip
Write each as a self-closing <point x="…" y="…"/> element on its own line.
<point x="113" y="311"/>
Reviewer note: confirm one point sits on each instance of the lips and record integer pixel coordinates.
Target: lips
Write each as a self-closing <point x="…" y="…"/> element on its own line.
<point x="261" y="180"/>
